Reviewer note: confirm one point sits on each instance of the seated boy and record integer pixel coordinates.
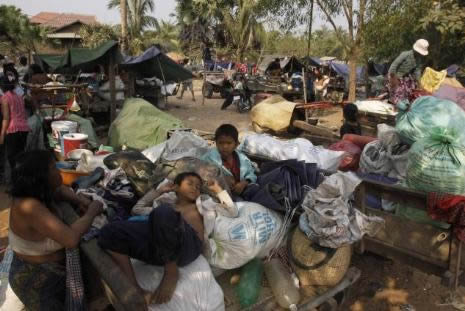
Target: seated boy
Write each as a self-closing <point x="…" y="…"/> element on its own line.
<point x="173" y="235"/>
<point x="351" y="124"/>
<point x="236" y="166"/>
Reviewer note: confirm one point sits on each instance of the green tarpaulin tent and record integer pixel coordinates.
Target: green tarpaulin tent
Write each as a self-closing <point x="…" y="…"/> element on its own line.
<point x="140" y="125"/>
<point x="151" y="63"/>
<point x="80" y="58"/>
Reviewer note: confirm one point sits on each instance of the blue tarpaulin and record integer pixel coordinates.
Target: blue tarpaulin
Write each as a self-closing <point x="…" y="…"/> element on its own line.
<point x="154" y="63"/>
<point x="312" y="61"/>
<point x="343" y="70"/>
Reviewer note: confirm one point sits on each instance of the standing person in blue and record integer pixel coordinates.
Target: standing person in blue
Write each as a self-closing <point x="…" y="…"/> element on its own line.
<point x="236" y="166"/>
<point x="406" y="70"/>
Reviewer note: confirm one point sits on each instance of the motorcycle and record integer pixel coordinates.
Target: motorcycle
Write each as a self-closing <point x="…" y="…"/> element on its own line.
<point x="215" y="83"/>
<point x="242" y="102"/>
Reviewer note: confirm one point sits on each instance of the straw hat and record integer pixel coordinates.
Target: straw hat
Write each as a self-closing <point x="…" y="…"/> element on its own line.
<point x="421" y="46"/>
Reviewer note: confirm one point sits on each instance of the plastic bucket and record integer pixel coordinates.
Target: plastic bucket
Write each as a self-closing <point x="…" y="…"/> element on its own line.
<point x="59" y="128"/>
<point x="74" y="141"/>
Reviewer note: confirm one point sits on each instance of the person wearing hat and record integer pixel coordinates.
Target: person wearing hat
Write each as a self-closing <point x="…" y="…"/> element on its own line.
<point x="406" y="70"/>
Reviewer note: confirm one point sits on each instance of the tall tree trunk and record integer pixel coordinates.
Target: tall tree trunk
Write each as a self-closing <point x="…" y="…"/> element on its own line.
<point x="124" y="25"/>
<point x="352" y="75"/>
<point x="310" y="25"/>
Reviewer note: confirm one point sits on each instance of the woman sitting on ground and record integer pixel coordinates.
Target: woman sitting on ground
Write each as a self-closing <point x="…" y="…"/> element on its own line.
<point x="37" y="234"/>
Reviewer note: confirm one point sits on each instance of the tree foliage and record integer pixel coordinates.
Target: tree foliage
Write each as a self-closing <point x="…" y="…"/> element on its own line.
<point x="16" y="32"/>
<point x="94" y="35"/>
<point x="398" y="24"/>
<point x="233" y="24"/>
<point x="166" y="34"/>
<point x="138" y="15"/>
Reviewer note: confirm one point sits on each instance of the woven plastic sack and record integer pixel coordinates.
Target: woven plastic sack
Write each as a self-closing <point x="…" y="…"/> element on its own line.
<point x="417" y="121"/>
<point x="315" y="266"/>
<point x="273" y="114"/>
<point x="437" y="164"/>
<point x="180" y="145"/>
<point x="196" y="289"/>
<point x="432" y="79"/>
<point x="254" y="233"/>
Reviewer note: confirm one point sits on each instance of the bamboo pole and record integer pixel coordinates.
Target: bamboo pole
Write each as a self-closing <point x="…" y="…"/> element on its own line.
<point x="164" y="82"/>
<point x="111" y="76"/>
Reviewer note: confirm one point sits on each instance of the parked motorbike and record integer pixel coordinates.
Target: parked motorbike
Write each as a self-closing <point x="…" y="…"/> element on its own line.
<point x="242" y="102"/>
<point x="215" y="83"/>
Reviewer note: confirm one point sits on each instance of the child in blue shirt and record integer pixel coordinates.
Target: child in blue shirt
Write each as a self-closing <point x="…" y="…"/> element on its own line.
<point x="235" y="165"/>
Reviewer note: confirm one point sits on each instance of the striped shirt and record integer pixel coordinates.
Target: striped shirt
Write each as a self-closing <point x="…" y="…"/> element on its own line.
<point x="17" y="111"/>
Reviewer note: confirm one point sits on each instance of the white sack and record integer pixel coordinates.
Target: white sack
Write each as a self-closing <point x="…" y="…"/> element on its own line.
<point x="196" y="290"/>
<point x="236" y="241"/>
<point x="180" y="145"/>
<point x="300" y="149"/>
<point x="329" y="218"/>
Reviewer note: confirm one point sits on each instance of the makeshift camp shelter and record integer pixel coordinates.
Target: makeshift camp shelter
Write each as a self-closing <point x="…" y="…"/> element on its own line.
<point x="84" y="59"/>
<point x="266" y="61"/>
<point x="154" y="63"/>
<point x="291" y="64"/>
<point x="312" y="61"/>
<point x="344" y="71"/>
<point x="288" y="63"/>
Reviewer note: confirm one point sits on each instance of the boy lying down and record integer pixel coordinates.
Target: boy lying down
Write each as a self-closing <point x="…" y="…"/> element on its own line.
<point x="174" y="234"/>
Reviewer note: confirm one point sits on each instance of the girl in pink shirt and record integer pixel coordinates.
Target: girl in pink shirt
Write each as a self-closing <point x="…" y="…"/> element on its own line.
<point x="14" y="127"/>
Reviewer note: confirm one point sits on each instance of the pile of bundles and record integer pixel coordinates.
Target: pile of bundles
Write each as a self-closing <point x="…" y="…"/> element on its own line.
<point x="295" y="185"/>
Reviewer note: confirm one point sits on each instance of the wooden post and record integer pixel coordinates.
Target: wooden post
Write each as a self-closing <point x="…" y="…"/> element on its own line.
<point x="164" y="82"/>
<point x="132" y="84"/>
<point x="305" y="93"/>
<point x="111" y="76"/>
<point x="203" y="85"/>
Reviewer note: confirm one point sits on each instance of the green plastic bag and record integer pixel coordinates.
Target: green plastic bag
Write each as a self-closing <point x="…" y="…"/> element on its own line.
<point x="437" y="163"/>
<point x="250" y="285"/>
<point x="416" y="121"/>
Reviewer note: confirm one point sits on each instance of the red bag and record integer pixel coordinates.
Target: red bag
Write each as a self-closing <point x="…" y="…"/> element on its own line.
<point x="351" y="158"/>
<point x="360" y="141"/>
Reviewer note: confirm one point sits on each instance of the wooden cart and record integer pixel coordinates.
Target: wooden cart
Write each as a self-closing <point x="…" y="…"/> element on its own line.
<point x="406" y="240"/>
<point x="369" y="122"/>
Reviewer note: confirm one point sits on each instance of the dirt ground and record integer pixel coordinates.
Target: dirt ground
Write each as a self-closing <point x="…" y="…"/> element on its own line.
<point x="385" y="285"/>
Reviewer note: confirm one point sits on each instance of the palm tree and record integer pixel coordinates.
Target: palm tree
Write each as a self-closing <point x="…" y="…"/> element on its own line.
<point x="165" y="34"/>
<point x="138" y="15"/>
<point x="194" y="25"/>
<point x="124" y="25"/>
<point x="242" y="25"/>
